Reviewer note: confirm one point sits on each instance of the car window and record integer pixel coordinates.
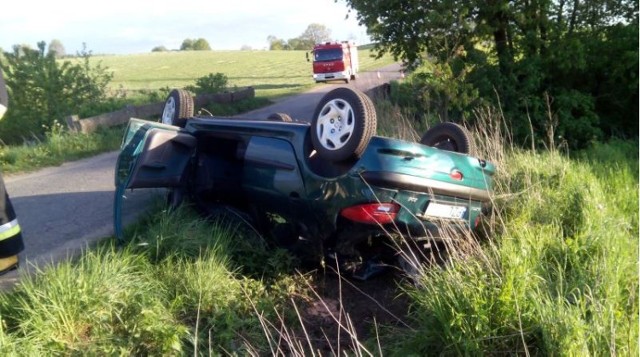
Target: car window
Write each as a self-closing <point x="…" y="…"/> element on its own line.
<point x="270" y="151"/>
<point x="271" y="163"/>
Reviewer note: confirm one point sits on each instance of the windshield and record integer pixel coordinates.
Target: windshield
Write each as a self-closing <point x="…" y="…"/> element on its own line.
<point x="329" y="54"/>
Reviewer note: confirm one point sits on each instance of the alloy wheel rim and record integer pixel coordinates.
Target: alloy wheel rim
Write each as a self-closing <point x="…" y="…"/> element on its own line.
<point x="169" y="111"/>
<point x="335" y="124"/>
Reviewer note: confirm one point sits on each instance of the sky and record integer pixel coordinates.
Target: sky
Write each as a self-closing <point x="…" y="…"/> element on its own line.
<point x="137" y="26"/>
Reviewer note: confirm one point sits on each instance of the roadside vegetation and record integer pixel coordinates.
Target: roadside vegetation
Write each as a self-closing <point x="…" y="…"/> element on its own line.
<point x="556" y="274"/>
<point x="555" y="271"/>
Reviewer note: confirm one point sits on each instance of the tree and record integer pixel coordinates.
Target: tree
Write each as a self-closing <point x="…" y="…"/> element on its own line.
<point x="187" y="45"/>
<point x="201" y="45"/>
<point x="195" y="45"/>
<point x="315" y="33"/>
<point x="525" y="51"/>
<point x="276" y="44"/>
<point x="298" y="44"/>
<point x="56" y="48"/>
<point x="159" y="49"/>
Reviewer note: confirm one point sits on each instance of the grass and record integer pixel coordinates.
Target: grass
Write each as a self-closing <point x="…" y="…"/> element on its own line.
<point x="172" y="289"/>
<point x="57" y="147"/>
<point x="272" y="73"/>
<point x="558" y="274"/>
<point x="555" y="274"/>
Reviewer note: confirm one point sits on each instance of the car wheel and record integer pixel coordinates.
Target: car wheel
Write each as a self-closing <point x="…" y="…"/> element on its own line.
<point x="343" y="123"/>
<point x="450" y="137"/>
<point x="280" y="117"/>
<point x="178" y="107"/>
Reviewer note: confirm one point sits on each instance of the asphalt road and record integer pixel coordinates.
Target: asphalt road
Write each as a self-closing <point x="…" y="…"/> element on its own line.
<point x="65" y="209"/>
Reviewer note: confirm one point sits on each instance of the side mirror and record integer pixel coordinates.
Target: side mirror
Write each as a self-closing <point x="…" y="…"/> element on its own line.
<point x="307" y="54"/>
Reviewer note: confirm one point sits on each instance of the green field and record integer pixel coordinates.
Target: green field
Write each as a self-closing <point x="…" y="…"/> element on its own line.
<point x="271" y="73"/>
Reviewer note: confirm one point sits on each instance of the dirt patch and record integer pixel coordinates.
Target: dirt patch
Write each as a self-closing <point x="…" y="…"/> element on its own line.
<point x="344" y="310"/>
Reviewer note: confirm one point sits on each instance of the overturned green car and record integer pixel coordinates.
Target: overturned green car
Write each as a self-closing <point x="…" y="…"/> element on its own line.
<point x="329" y="188"/>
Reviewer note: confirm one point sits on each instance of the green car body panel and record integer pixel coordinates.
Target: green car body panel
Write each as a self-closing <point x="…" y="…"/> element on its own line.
<point x="272" y="165"/>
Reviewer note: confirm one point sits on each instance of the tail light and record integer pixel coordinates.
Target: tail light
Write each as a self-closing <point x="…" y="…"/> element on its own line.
<point x="372" y="213"/>
<point x="477" y="221"/>
<point x="456" y="175"/>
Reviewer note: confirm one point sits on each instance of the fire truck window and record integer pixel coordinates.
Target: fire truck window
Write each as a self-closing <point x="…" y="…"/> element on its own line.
<point x="328" y="54"/>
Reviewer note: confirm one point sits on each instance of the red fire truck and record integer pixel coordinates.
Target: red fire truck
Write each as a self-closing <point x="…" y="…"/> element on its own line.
<point x="335" y="61"/>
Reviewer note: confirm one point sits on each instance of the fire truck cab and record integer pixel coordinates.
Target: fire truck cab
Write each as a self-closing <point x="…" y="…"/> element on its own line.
<point x="335" y="61"/>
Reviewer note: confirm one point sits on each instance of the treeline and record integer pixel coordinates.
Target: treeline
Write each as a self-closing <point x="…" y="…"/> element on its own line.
<point x="188" y="44"/>
<point x="565" y="70"/>
<point x="315" y="33"/>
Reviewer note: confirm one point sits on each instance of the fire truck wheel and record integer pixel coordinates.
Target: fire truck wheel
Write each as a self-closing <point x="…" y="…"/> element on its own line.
<point x="178" y="107"/>
<point x="450" y="137"/>
<point x="280" y="117"/>
<point x="343" y="123"/>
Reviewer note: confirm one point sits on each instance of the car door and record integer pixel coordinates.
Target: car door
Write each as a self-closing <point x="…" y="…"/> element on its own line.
<point x="272" y="177"/>
<point x="152" y="155"/>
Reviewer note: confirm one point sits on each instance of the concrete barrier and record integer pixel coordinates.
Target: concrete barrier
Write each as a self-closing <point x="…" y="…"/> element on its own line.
<point x="89" y="125"/>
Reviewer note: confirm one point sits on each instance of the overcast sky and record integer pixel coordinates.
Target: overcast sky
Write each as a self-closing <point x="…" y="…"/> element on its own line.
<point x="136" y="26"/>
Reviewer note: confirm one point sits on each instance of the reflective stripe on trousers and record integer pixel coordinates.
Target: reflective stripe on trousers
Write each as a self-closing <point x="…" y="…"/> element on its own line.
<point x="9" y="229"/>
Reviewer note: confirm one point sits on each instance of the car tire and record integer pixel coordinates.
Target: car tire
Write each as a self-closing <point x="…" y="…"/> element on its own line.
<point x="450" y="137"/>
<point x="280" y="117"/>
<point x="178" y="107"/>
<point x="343" y="123"/>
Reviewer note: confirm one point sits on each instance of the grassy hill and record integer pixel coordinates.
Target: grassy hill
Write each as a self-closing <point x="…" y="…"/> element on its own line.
<point x="271" y="73"/>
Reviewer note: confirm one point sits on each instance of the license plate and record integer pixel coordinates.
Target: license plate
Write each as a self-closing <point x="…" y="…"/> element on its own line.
<point x="445" y="211"/>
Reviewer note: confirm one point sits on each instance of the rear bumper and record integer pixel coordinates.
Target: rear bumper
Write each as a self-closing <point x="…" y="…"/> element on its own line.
<point x="420" y="184"/>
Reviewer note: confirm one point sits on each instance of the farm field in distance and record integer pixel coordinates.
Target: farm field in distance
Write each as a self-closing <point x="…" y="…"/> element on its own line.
<point x="272" y="73"/>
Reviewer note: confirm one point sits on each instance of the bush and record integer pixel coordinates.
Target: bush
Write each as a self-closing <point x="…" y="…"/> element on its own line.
<point x="43" y="90"/>
<point x="211" y="83"/>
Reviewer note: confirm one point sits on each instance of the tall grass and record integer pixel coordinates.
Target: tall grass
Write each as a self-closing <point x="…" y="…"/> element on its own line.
<point x="558" y="274"/>
<point x="57" y="147"/>
<point x="173" y="289"/>
<point x="555" y="274"/>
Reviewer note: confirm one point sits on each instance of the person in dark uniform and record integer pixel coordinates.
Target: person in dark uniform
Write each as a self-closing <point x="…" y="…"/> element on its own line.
<point x="10" y="234"/>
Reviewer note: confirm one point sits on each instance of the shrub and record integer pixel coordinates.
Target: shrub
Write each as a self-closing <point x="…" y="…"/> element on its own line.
<point x="43" y="90"/>
<point x="211" y="83"/>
